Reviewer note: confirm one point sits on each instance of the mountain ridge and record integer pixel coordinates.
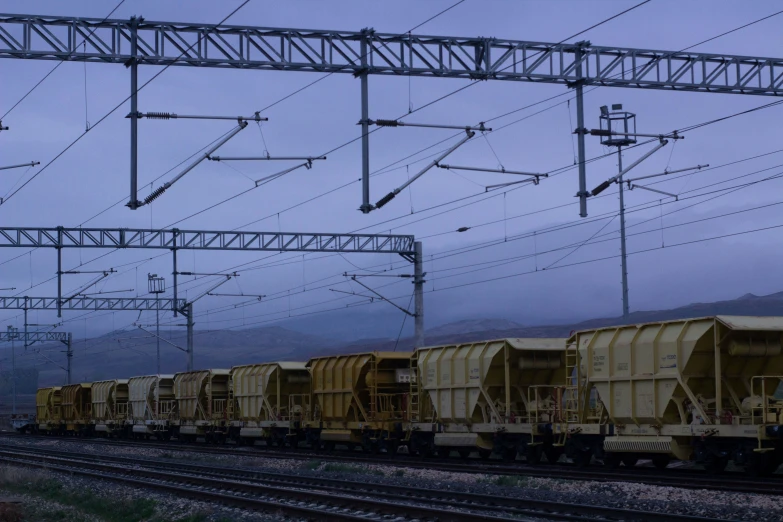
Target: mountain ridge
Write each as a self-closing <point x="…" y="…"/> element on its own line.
<point x="106" y="357"/>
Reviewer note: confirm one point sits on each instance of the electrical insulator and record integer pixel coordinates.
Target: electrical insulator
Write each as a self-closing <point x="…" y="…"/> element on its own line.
<point x="155" y="195"/>
<point x="160" y="115"/>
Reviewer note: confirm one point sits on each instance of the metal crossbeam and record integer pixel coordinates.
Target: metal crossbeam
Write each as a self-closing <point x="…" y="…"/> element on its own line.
<point x="281" y="49"/>
<point x="91" y="303"/>
<point x="34" y="337"/>
<point x="59" y="237"/>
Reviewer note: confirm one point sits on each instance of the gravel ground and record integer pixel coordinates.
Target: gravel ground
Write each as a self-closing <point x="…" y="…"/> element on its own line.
<point x="41" y="505"/>
<point x="705" y="503"/>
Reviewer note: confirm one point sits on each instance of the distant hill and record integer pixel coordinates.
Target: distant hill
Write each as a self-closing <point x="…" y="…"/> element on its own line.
<point x="748" y="304"/>
<point x="107" y="357"/>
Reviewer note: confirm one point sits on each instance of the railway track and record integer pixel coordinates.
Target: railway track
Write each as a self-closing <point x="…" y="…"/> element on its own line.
<point x="689" y="479"/>
<point x="316" y="498"/>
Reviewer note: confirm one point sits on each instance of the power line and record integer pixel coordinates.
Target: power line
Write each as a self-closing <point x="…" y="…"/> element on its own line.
<point x="105" y="116"/>
<point x="34" y="87"/>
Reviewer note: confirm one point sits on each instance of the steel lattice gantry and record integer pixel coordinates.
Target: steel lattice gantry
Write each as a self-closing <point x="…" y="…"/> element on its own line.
<point x="116" y="304"/>
<point x="363" y="53"/>
<point x="169" y="239"/>
<point x="29" y="338"/>
<point x="34" y="337"/>
<point x="279" y="49"/>
<point x="174" y="240"/>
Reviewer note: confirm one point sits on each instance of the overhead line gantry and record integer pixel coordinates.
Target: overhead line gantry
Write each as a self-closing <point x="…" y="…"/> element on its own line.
<point x="362" y="53"/>
<point x="174" y="240"/>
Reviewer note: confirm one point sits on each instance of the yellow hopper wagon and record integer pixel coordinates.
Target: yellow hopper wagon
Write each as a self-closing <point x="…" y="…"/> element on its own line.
<point x="152" y="406"/>
<point x="48" y="408"/>
<point x="110" y="407"/>
<point x="77" y="408"/>
<point x="496" y="396"/>
<point x="204" y="405"/>
<point x="360" y="400"/>
<point x="271" y="401"/>
<point x="701" y="389"/>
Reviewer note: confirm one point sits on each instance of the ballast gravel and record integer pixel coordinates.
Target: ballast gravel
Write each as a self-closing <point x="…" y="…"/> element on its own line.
<point x="167" y="507"/>
<point x="717" y="505"/>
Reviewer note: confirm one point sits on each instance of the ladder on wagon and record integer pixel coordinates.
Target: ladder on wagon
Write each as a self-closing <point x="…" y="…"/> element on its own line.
<point x="413" y="399"/>
<point x="373" y="387"/>
<point x="569" y="403"/>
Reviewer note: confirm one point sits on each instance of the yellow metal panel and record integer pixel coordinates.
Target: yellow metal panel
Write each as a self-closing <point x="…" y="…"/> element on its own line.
<point x="141" y="395"/>
<point x="197" y="391"/>
<point x="343" y="386"/>
<point x="740" y="322"/>
<point x="256" y="389"/>
<point x="100" y="399"/>
<point x="76" y="402"/>
<point x="665" y="372"/>
<point x="474" y="383"/>
<point x="106" y="395"/>
<point x="48" y="404"/>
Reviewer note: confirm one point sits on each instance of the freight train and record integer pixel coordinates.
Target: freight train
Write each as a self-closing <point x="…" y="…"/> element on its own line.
<point x="693" y="389"/>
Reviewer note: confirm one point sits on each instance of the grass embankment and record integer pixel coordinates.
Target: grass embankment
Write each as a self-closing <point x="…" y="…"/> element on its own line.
<point x="48" y="499"/>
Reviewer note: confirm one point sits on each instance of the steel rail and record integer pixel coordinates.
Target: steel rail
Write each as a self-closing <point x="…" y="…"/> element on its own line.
<point x="688" y="479"/>
<point x="329" y="506"/>
<point x="392" y="493"/>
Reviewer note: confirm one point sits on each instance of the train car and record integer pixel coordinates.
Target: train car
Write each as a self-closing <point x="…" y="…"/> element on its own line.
<point x="270" y="402"/>
<point x="497" y="396"/>
<point x="153" y="406"/>
<point x="110" y="407"/>
<point x="360" y="400"/>
<point x="77" y="408"/>
<point x="48" y="408"/>
<point x="204" y="405"/>
<point x="700" y="389"/>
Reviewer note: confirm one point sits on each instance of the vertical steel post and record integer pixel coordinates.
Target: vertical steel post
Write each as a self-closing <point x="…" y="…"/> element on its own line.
<point x="157" y="331"/>
<point x="13" y="369"/>
<point x="25" y="323"/>
<point x="174" y="256"/>
<point x="59" y="282"/>
<point x="189" y="308"/>
<point x="69" y="356"/>
<point x="366" y="206"/>
<point x="580" y="133"/>
<point x="623" y="255"/>
<point x="133" y="202"/>
<point x="418" y="294"/>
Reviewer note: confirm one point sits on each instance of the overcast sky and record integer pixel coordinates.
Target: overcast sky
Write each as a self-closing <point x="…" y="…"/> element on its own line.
<point x="93" y="174"/>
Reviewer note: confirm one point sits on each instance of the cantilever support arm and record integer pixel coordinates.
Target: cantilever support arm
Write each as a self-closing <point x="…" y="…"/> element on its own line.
<point x="266" y="158"/>
<point x="160" y="190"/>
<point x="403" y="310"/>
<point x="213" y="287"/>
<point x="388" y="197"/>
<point x="31" y="164"/>
<point x="162" y="339"/>
<point x="631" y="187"/>
<point x="307" y="164"/>
<point x="605" y="185"/>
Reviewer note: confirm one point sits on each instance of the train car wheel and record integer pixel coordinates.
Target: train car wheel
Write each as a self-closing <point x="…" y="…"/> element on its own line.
<point x="716" y="464"/>
<point x="661" y="461"/>
<point x="612" y="460"/>
<point x="464" y="453"/>
<point x="552" y="454"/>
<point x="629" y="461"/>
<point x="509" y="454"/>
<point x="533" y="454"/>
<point x="485" y="453"/>
<point x="582" y="458"/>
